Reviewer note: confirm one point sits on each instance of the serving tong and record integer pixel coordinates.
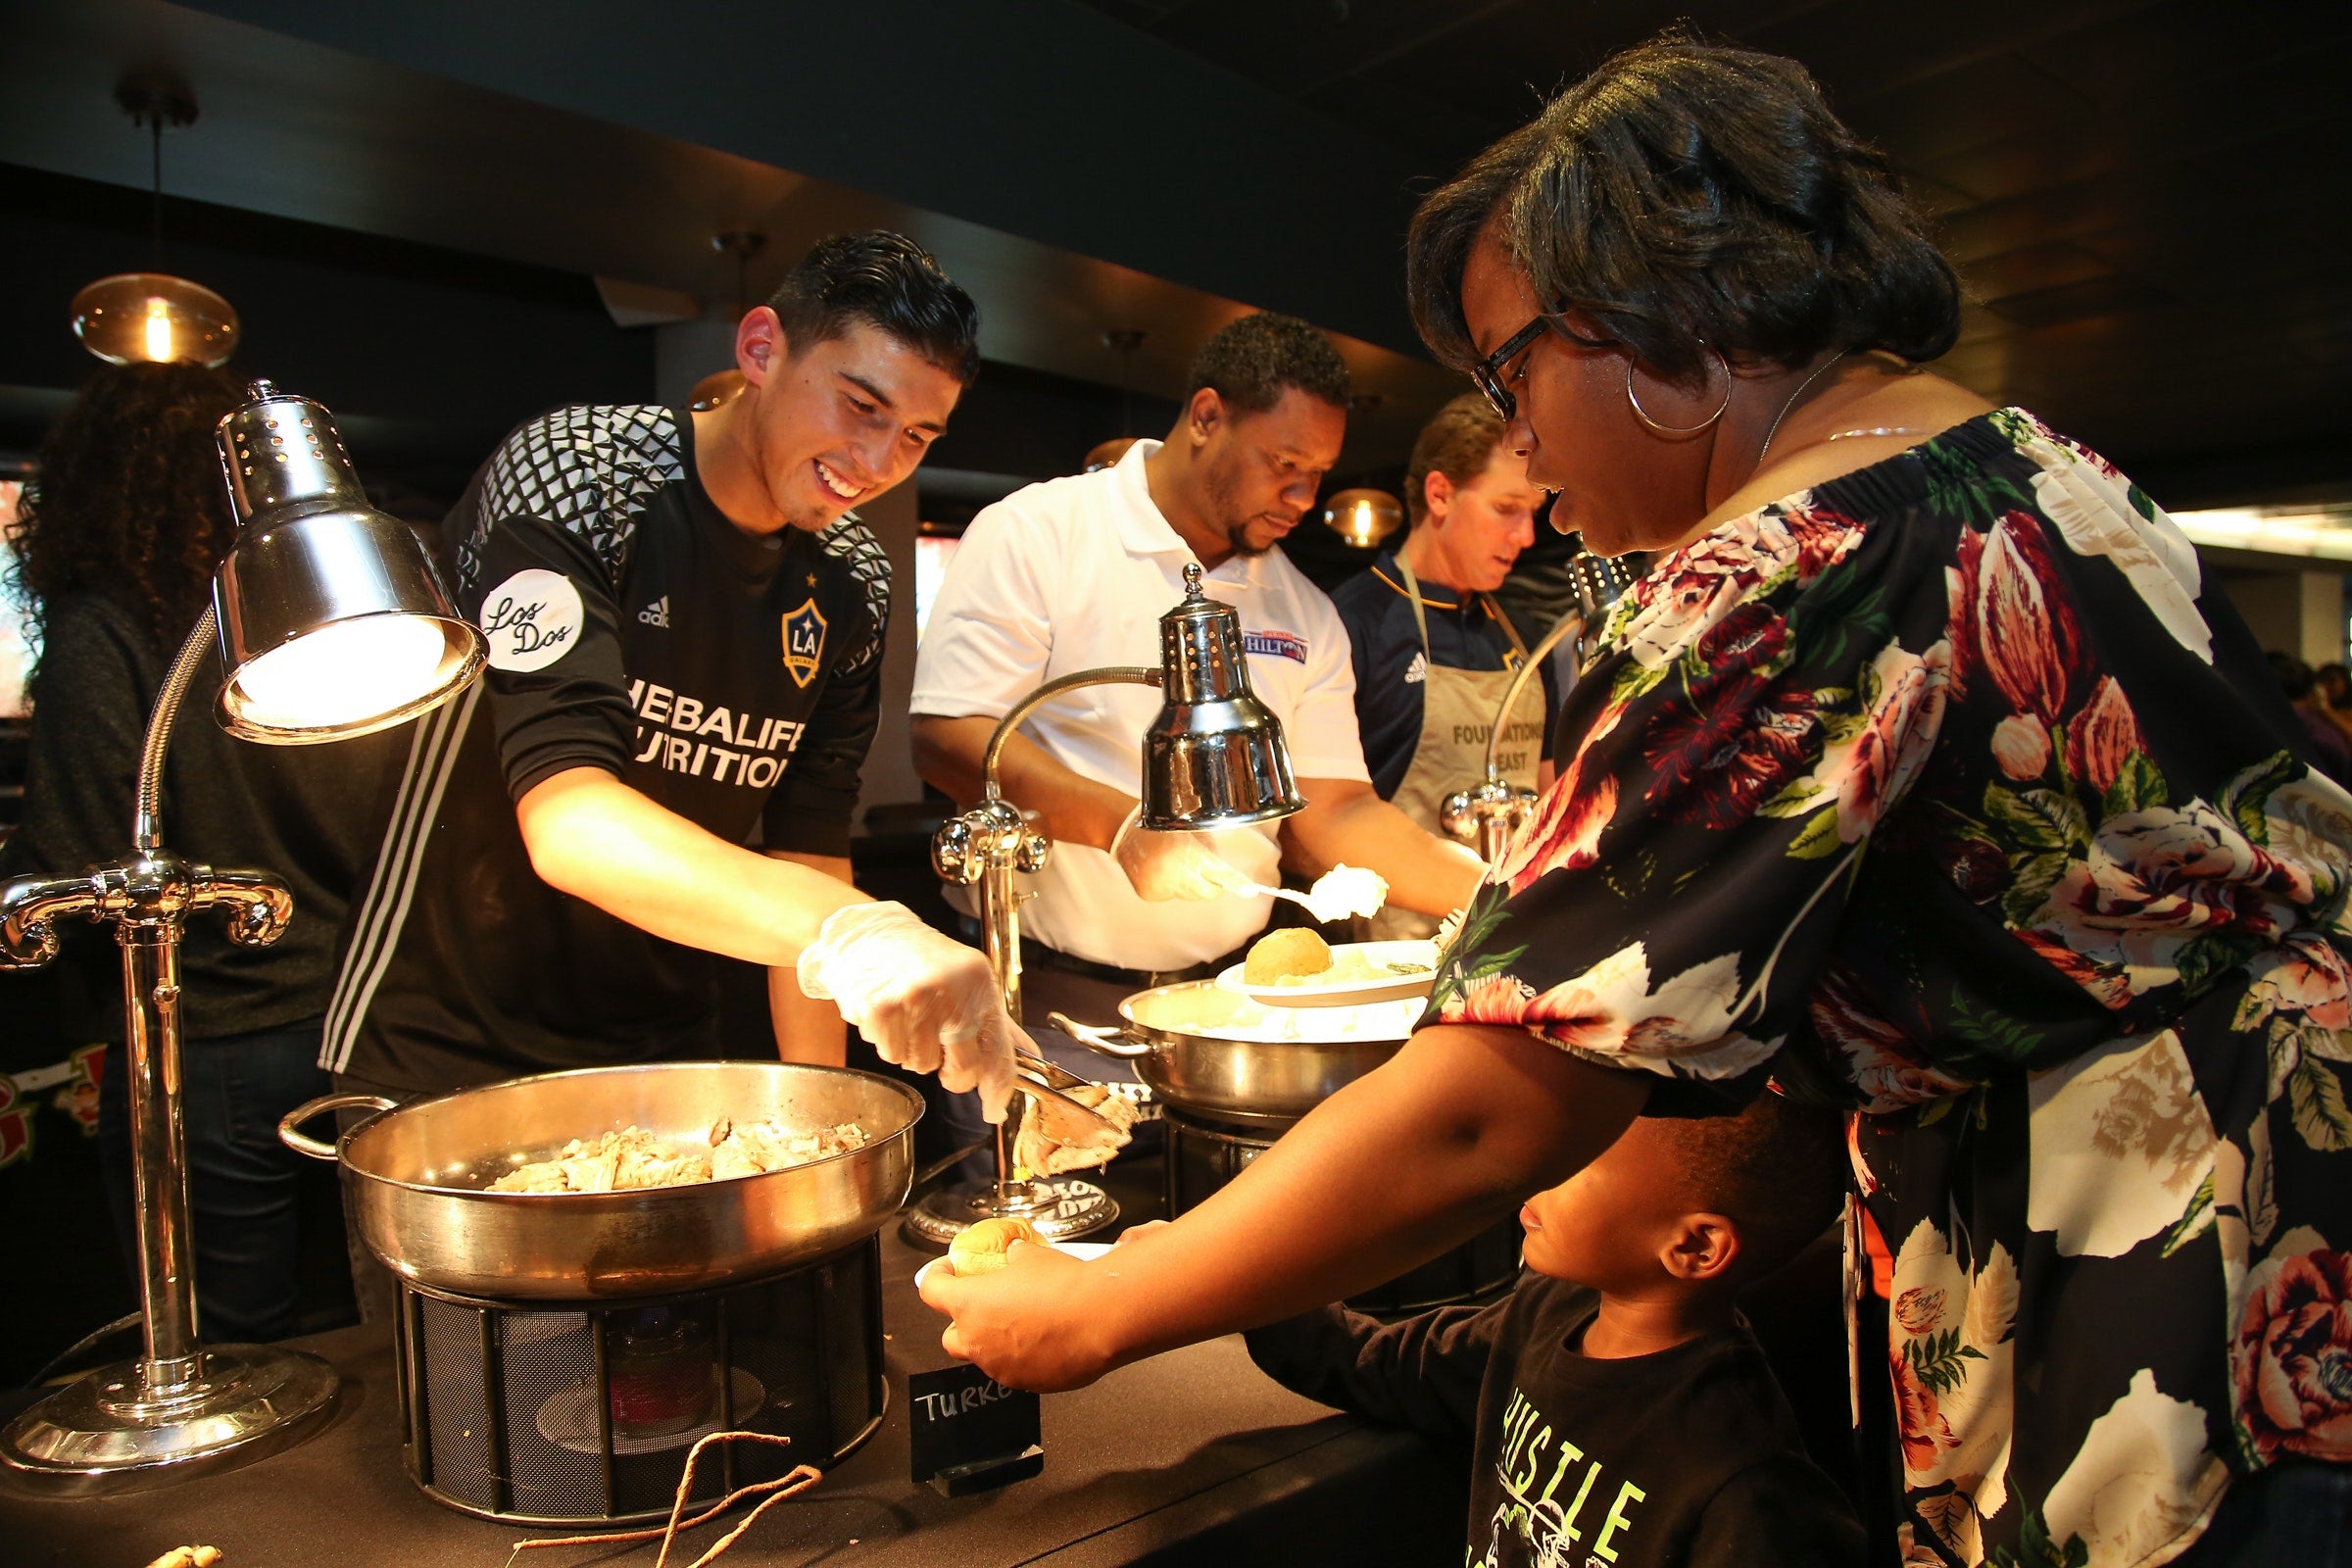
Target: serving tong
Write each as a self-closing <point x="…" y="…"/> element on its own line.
<point x="1067" y="1121"/>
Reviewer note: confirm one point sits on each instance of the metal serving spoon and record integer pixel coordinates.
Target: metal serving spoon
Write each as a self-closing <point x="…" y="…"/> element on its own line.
<point x="1337" y="893"/>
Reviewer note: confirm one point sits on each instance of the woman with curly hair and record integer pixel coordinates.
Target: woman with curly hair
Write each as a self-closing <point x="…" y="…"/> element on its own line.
<point x="117" y="536"/>
<point x="1922" y="773"/>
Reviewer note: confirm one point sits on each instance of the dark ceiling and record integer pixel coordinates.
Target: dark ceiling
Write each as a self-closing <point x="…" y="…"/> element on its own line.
<point x="467" y="147"/>
<point x="2146" y="198"/>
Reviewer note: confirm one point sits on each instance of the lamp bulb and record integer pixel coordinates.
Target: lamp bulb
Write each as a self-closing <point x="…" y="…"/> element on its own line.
<point x="347" y="673"/>
<point x="158" y="329"/>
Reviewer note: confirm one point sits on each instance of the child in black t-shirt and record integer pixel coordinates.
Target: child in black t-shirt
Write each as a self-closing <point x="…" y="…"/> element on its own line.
<point x="1619" y="1411"/>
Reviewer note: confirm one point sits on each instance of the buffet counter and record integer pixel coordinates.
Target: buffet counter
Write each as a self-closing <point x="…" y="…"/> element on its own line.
<point x="1188" y="1457"/>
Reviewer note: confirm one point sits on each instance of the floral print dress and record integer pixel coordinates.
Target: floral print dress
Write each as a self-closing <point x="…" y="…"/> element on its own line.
<point x="1943" y="791"/>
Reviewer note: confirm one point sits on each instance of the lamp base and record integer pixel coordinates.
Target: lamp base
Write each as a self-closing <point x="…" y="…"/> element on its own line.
<point x="116" y="1431"/>
<point x="1060" y="1209"/>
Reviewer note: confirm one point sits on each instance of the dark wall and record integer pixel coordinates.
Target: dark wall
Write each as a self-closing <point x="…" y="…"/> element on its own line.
<point x="1041" y="425"/>
<point x="425" y="356"/>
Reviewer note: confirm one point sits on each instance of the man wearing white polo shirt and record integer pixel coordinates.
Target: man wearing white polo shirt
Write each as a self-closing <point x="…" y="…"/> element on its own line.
<point x="1075" y="573"/>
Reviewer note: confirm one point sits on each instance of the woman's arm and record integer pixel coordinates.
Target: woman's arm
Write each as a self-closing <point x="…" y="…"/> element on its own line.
<point x="1449" y="1136"/>
<point x="1344" y="821"/>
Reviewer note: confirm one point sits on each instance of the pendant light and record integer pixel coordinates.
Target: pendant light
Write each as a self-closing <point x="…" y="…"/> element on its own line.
<point x="153" y="317"/>
<point x="1106" y="454"/>
<point x="1363" y="517"/>
<point x="722" y="387"/>
<point x="1122" y="341"/>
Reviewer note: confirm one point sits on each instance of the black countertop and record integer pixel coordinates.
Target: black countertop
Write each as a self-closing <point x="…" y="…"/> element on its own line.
<point x="1192" y="1456"/>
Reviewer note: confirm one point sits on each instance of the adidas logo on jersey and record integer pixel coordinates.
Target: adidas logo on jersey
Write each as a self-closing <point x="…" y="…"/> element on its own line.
<point x="1418" y="670"/>
<point x="657" y="613"/>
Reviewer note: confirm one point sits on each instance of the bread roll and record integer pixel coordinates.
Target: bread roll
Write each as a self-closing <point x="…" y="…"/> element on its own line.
<point x="1292" y="951"/>
<point x="981" y="1249"/>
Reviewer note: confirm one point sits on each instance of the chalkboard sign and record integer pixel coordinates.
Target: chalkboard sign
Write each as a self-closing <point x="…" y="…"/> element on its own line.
<point x="970" y="1432"/>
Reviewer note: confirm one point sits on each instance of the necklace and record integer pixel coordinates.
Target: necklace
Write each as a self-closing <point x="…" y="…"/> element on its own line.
<point x="1879" y="429"/>
<point x="1775" y="427"/>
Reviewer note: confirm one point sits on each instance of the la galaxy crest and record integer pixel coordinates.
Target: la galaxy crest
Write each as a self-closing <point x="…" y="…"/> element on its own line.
<point x="803" y="642"/>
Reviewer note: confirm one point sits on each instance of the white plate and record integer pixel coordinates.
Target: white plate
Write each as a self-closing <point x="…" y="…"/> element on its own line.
<point x="1349" y="993"/>
<point x="1081" y="1250"/>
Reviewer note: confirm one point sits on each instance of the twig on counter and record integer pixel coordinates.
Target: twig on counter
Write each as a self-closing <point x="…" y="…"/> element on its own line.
<point x="799" y="1479"/>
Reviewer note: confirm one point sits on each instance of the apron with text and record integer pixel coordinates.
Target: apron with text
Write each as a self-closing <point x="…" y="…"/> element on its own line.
<point x="1456" y="707"/>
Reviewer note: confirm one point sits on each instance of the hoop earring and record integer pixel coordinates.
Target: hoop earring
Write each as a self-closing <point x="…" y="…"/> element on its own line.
<point x="1642" y="413"/>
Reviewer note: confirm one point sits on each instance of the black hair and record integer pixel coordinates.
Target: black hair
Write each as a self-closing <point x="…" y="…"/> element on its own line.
<point x="887" y="281"/>
<point x="1250" y="361"/>
<point x="1444" y="227"/>
<point x="2294" y="677"/>
<point x="1688" y="197"/>
<point x="126" y="499"/>
<point x="1776" y="1169"/>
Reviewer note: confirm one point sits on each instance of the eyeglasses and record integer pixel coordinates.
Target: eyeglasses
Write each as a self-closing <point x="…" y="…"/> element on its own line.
<point x="1488" y="373"/>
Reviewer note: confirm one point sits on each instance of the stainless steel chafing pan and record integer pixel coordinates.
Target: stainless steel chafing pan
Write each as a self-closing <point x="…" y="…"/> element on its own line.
<point x="421" y="1169"/>
<point x="1218" y="1054"/>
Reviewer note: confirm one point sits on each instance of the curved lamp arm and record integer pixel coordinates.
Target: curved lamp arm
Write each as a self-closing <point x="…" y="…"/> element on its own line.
<point x="146" y="822"/>
<point x="1106" y="676"/>
<point x="1572" y="624"/>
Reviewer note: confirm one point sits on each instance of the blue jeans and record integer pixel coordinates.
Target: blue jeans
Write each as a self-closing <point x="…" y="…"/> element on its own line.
<point x="2298" y="1513"/>
<point x="243" y="1185"/>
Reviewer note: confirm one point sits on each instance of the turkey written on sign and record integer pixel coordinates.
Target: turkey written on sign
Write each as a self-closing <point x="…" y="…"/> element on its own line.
<point x="969" y="1432"/>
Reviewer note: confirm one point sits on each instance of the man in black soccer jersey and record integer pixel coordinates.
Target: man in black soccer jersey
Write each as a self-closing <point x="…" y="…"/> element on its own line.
<point x="685" y="622"/>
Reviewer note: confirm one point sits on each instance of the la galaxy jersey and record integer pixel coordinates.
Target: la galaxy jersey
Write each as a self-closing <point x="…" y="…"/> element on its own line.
<point x="634" y="630"/>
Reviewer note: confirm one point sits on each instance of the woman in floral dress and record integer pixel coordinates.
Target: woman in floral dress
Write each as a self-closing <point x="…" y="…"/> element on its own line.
<point x="1922" y="774"/>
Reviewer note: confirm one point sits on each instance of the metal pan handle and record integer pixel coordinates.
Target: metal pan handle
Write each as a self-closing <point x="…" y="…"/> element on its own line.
<point x="1109" y="1042"/>
<point x="303" y="1143"/>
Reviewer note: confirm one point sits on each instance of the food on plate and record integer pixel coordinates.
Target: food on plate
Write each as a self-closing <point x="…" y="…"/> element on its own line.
<point x="1344" y="890"/>
<point x="1054" y="1139"/>
<point x="981" y="1249"/>
<point x="1291" y="951"/>
<point x="633" y="1158"/>
<point x="1354" y="966"/>
<point x="1300" y="957"/>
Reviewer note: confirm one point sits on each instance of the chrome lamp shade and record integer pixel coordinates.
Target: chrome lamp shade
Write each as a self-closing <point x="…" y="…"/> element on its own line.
<point x="1214" y="758"/>
<point x="332" y="620"/>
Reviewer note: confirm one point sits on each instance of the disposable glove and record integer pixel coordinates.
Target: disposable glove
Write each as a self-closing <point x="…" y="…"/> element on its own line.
<point x="925" y="1002"/>
<point x="1191" y="865"/>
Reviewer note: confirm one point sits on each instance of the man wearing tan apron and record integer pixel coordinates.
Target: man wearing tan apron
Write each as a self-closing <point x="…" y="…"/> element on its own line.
<point x="1433" y="650"/>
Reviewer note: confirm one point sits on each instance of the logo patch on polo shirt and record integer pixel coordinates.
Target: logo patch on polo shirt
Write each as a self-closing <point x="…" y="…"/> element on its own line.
<point x="803" y="642"/>
<point x="531" y="619"/>
<point x="1280" y="644"/>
